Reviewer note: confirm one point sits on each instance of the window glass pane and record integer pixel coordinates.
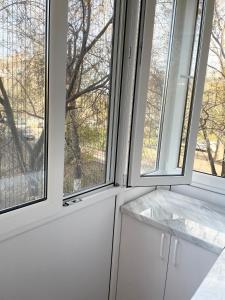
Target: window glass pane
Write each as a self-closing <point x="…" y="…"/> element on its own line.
<point x="190" y="87"/>
<point x="89" y="51"/>
<point x="210" y="150"/>
<point x="156" y="84"/>
<point x="22" y="101"/>
<point x="173" y="59"/>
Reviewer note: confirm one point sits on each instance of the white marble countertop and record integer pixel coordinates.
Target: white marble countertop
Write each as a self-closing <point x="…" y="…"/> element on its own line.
<point x="192" y="220"/>
<point x="184" y="217"/>
<point x="213" y="286"/>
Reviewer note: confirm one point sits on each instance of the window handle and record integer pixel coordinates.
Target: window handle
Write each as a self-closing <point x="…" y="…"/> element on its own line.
<point x="176" y="242"/>
<point x="162" y="246"/>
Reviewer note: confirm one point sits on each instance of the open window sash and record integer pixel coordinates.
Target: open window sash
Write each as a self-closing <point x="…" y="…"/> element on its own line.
<point x="171" y="69"/>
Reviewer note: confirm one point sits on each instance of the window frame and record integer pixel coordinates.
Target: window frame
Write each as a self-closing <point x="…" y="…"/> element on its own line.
<point x="201" y="179"/>
<point x="55" y="91"/>
<point x="114" y="102"/>
<point x="34" y="211"/>
<point x="50" y="141"/>
<point x="17" y="221"/>
<point x="134" y="177"/>
<point x="208" y="182"/>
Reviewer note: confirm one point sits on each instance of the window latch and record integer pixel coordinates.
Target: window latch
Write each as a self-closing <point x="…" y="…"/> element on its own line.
<point x="71" y="202"/>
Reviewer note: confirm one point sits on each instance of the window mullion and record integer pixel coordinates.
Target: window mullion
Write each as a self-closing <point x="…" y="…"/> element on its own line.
<point x="131" y="26"/>
<point x="57" y="96"/>
<point x="116" y="62"/>
<point x="141" y="92"/>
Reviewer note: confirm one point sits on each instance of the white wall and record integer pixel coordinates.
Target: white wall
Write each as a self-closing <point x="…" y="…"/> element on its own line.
<point x="66" y="259"/>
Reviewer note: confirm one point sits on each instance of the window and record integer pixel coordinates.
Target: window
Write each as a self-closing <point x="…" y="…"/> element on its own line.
<point x="76" y="126"/>
<point x="23" y="102"/>
<point x="156" y="85"/>
<point x="46" y="62"/>
<point x="88" y="101"/>
<point x="210" y="149"/>
<point x="173" y="38"/>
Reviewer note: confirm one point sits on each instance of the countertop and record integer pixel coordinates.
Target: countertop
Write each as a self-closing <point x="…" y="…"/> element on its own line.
<point x="182" y="216"/>
<point x="190" y="219"/>
<point x="213" y="286"/>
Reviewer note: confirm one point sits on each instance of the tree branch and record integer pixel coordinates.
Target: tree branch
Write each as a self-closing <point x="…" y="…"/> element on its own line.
<point x="97" y="85"/>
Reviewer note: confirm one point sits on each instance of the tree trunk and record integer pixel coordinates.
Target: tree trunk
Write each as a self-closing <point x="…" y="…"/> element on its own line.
<point x="223" y="164"/>
<point x="217" y="149"/>
<point x="77" y="153"/>
<point x="209" y="152"/>
<point x="11" y="123"/>
<point x="29" y="170"/>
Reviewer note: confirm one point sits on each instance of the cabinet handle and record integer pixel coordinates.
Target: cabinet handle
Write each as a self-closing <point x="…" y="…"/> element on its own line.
<point x="176" y="242"/>
<point x="162" y="246"/>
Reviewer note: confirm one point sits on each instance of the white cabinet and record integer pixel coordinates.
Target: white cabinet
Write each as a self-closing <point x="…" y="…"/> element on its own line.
<point x="156" y="266"/>
<point x="188" y="265"/>
<point x="143" y="260"/>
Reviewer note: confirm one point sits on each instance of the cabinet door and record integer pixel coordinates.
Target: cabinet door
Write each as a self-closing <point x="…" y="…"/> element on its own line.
<point x="188" y="265"/>
<point x="143" y="260"/>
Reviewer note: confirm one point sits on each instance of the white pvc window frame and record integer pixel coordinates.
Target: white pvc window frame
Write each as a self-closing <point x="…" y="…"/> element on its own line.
<point x="134" y="173"/>
<point x="208" y="182"/>
<point x="46" y="88"/>
<point x="116" y="69"/>
<point x="57" y="51"/>
<point x="17" y="218"/>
